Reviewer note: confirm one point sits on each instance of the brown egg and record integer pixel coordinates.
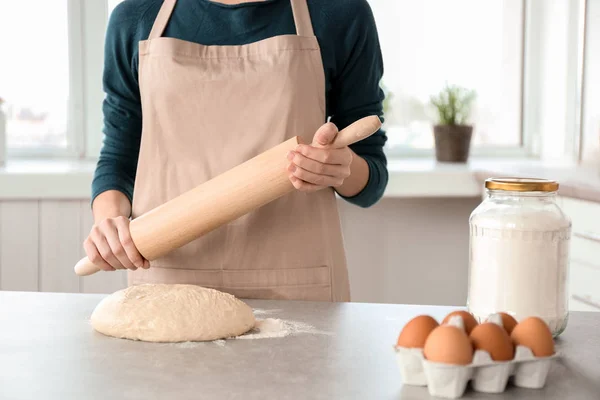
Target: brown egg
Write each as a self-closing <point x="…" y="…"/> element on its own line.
<point x="415" y="332"/>
<point x="468" y="320"/>
<point x="508" y="321"/>
<point x="449" y="345"/>
<point x="493" y="339"/>
<point x="534" y="333"/>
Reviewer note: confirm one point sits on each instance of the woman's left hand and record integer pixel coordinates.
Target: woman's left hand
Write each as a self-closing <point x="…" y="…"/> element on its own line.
<point x="314" y="167"/>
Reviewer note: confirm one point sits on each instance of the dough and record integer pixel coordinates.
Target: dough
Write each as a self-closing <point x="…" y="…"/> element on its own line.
<point x="172" y="313"/>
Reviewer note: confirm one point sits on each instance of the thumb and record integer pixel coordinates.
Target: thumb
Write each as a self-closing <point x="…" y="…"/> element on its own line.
<point x="325" y="134"/>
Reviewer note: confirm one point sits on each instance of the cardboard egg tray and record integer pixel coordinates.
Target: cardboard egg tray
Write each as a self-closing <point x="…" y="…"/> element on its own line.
<point x="486" y="375"/>
<point x="450" y="381"/>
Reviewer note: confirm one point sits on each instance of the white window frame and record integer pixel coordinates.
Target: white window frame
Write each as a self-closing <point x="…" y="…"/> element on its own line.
<point x="562" y="24"/>
<point x="95" y="17"/>
<point x="86" y="27"/>
<point x="531" y="127"/>
<point x="588" y="146"/>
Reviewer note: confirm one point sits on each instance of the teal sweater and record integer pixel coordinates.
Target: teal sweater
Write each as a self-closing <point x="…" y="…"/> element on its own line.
<point x="350" y="50"/>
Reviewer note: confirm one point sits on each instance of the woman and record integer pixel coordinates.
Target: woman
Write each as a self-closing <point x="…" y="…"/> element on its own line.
<point x="212" y="84"/>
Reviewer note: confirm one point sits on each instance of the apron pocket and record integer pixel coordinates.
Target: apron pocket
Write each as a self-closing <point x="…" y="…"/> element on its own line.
<point x="270" y="278"/>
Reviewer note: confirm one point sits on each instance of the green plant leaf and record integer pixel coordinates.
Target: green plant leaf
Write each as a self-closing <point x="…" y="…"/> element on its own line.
<point x="453" y="105"/>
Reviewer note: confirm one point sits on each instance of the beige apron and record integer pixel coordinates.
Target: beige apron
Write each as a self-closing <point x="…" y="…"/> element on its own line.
<point x="207" y="109"/>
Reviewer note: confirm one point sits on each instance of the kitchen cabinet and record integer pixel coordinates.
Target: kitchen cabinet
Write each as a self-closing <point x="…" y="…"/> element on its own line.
<point x="584" y="275"/>
<point x="408" y="251"/>
<point x="19" y="247"/>
<point x="40" y="240"/>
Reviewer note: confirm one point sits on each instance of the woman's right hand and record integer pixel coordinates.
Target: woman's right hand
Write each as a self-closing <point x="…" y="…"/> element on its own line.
<point x="110" y="247"/>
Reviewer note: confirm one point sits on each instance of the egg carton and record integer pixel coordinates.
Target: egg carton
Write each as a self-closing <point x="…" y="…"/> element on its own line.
<point x="486" y="375"/>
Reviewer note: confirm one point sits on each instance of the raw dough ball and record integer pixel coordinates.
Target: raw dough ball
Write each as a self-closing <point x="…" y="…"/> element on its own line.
<point x="172" y="313"/>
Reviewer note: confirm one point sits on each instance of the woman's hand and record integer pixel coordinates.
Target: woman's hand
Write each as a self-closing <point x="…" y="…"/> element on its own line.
<point x="314" y="167"/>
<point x="110" y="247"/>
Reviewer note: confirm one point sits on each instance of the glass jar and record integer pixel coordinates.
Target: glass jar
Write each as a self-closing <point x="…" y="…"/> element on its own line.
<point x="519" y="252"/>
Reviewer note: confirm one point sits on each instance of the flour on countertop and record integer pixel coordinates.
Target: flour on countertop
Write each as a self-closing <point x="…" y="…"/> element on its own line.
<point x="258" y="311"/>
<point x="186" y="345"/>
<point x="278" y="328"/>
<point x="267" y="328"/>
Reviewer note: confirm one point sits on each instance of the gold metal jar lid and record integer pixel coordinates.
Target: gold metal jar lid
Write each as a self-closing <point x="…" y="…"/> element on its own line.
<point x="521" y="184"/>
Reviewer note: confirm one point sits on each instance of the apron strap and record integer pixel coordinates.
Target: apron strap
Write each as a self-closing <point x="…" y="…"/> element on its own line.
<point x="162" y="19"/>
<point x="302" y="18"/>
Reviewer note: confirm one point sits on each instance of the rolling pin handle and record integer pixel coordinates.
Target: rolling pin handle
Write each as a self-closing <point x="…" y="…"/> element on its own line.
<point x="357" y="131"/>
<point x="85" y="267"/>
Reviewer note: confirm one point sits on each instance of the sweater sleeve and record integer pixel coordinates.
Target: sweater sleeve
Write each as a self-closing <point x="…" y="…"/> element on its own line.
<point x="356" y="93"/>
<point x="117" y="164"/>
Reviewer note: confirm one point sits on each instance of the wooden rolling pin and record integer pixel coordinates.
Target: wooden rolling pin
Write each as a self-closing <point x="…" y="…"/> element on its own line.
<point x="222" y="199"/>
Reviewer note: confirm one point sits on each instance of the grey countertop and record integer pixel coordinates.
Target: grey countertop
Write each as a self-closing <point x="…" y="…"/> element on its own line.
<point x="48" y="350"/>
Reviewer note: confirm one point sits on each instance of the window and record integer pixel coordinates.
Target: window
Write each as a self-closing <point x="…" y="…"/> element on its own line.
<point x="523" y="58"/>
<point x="472" y="43"/>
<point x="35" y="85"/>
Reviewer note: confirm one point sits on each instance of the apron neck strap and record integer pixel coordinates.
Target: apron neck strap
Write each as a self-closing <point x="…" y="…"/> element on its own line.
<point x="299" y="9"/>
<point x="302" y="18"/>
<point x="160" y="23"/>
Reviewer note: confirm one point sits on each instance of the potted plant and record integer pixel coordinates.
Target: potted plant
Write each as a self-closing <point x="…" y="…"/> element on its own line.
<point x="452" y="133"/>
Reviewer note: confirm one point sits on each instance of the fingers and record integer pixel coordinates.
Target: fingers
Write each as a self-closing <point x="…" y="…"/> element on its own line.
<point x="315" y="179"/>
<point x="111" y="247"/>
<point x="316" y="166"/>
<point x="319" y="168"/>
<point x="326" y="156"/>
<point x="325" y="134"/>
<point x="118" y="251"/>
<point x="303" y="186"/>
<point x="126" y="242"/>
<point x="103" y="248"/>
<point x="94" y="256"/>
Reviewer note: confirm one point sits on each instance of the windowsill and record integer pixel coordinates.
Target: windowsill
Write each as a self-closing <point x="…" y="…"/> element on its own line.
<point x="67" y="179"/>
<point x="46" y="179"/>
<point x="427" y="178"/>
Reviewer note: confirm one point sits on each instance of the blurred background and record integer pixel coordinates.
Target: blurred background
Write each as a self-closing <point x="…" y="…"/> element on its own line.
<point x="534" y="66"/>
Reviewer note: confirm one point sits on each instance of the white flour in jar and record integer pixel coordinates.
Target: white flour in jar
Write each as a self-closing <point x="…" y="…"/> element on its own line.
<point x="519" y="264"/>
